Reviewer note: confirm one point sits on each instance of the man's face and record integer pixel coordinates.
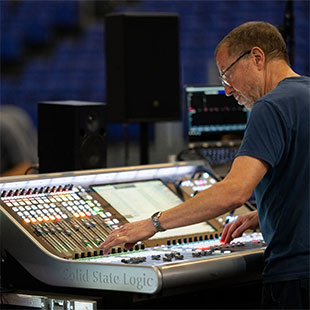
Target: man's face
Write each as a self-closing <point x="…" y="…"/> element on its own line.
<point x="242" y="79"/>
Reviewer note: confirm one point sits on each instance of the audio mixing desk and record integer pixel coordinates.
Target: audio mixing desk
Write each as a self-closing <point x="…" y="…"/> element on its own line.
<point x="53" y="225"/>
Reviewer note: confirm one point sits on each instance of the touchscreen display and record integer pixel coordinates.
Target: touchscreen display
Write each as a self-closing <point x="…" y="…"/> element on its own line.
<point x="139" y="200"/>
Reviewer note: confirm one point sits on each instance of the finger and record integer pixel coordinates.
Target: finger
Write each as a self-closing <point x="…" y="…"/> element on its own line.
<point x="231" y="227"/>
<point x="239" y="231"/>
<point x="129" y="246"/>
<point x="113" y="239"/>
<point x="224" y="233"/>
<point x="109" y="244"/>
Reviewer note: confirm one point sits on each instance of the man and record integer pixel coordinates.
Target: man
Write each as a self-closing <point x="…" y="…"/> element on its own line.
<point x="273" y="159"/>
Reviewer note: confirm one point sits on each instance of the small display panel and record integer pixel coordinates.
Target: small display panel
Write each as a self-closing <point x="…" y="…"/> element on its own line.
<point x="212" y="115"/>
<point x="139" y="200"/>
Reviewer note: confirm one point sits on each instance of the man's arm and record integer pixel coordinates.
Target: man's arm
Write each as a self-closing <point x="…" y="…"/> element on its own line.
<point x="222" y="197"/>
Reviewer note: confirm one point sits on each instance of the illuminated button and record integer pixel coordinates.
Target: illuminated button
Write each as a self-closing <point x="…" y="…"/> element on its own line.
<point x="108" y="222"/>
<point x="82" y="214"/>
<point x="76" y="215"/>
<point x="26" y="221"/>
<point x="45" y="218"/>
<point x="96" y="209"/>
<point x="64" y="216"/>
<point x="52" y="217"/>
<point x="87" y="213"/>
<point x="33" y="220"/>
<point x="58" y="217"/>
<point x="39" y="219"/>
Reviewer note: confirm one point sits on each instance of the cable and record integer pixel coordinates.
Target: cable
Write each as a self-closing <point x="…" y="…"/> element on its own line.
<point x="32" y="167"/>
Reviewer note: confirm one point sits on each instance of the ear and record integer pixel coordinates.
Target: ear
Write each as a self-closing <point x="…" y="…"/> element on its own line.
<point x="258" y="57"/>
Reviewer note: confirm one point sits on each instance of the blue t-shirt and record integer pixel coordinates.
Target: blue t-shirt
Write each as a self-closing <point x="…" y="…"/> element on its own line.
<point x="278" y="133"/>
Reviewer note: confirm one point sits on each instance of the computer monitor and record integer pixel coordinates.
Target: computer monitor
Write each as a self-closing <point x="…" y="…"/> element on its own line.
<point x="212" y="116"/>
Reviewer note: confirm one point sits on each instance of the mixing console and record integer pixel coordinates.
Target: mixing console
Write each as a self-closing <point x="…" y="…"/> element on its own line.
<point x="53" y="226"/>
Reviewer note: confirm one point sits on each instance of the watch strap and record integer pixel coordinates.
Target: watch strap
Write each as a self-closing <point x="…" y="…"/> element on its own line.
<point x="155" y="219"/>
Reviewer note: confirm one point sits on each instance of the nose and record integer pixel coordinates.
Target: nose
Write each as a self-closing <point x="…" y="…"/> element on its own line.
<point x="229" y="90"/>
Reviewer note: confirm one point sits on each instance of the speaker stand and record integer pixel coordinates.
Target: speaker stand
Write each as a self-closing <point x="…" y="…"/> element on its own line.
<point x="144" y="143"/>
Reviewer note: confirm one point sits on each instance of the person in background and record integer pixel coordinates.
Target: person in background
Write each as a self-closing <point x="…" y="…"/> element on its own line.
<point x="273" y="160"/>
<point x="18" y="141"/>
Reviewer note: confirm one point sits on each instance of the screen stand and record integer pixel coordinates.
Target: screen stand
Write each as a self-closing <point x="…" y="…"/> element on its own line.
<point x="144" y="143"/>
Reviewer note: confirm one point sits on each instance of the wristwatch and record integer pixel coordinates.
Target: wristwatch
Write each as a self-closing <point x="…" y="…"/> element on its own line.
<point x="155" y="219"/>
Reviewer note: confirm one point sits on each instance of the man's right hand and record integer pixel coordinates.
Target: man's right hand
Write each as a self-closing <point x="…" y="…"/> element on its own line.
<point x="236" y="228"/>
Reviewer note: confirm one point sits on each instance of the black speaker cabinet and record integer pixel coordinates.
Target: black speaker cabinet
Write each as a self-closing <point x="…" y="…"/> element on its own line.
<point x="71" y="136"/>
<point x="142" y="66"/>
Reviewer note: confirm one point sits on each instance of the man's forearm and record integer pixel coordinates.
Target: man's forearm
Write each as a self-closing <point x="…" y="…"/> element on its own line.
<point x="219" y="199"/>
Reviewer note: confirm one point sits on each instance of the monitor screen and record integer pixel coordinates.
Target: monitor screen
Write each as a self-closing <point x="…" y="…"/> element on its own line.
<point x="212" y="116"/>
<point x="139" y="200"/>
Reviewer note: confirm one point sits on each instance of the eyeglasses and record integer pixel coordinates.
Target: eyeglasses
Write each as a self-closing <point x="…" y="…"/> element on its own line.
<point x="222" y="75"/>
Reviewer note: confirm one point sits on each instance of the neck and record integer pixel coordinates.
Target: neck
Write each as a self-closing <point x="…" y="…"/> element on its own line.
<point x="276" y="71"/>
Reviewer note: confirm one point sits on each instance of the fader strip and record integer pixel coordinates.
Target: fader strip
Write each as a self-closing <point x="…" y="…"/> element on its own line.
<point x="66" y="220"/>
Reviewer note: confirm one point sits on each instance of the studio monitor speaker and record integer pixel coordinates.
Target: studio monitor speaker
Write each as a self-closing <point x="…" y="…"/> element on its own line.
<point x="71" y="136"/>
<point x="142" y="67"/>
